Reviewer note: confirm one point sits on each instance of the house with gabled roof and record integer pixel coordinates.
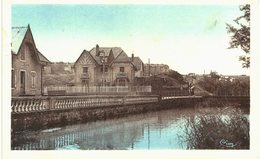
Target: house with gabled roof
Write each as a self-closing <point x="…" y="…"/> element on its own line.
<point x="140" y="79"/>
<point x="27" y="63"/>
<point x="139" y="65"/>
<point x="104" y="66"/>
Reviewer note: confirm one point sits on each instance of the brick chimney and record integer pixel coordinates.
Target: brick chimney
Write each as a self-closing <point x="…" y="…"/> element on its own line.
<point x="97" y="50"/>
<point x="132" y="59"/>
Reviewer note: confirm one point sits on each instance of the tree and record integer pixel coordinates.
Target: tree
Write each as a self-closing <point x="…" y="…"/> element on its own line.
<point x="240" y="35"/>
<point x="176" y="75"/>
<point x="214" y="75"/>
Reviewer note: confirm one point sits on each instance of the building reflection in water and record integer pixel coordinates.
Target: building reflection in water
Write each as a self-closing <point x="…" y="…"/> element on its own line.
<point x="154" y="130"/>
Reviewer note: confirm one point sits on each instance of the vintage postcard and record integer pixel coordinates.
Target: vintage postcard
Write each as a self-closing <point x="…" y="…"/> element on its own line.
<point x="140" y="79"/>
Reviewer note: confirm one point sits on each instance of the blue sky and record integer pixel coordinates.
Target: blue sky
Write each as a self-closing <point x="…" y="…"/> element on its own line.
<point x="189" y="38"/>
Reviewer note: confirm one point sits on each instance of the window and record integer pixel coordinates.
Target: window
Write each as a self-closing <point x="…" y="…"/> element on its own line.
<point x="24" y="52"/>
<point x="106" y="69"/>
<point x="101" y="53"/>
<point x="84" y="82"/>
<point x="33" y="79"/>
<point x="23" y="55"/>
<point x="122" y="69"/>
<point x="13" y="79"/>
<point x="85" y="69"/>
<point x="121" y="82"/>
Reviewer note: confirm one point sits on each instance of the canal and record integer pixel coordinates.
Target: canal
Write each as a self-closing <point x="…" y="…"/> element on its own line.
<point x="165" y="129"/>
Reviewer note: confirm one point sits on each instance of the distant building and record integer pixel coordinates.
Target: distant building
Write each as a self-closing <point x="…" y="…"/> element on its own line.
<point x="155" y="69"/>
<point x="27" y="63"/>
<point x="192" y="74"/>
<point x="104" y="66"/>
<point x="139" y="65"/>
<point x="139" y="72"/>
<point x="68" y="67"/>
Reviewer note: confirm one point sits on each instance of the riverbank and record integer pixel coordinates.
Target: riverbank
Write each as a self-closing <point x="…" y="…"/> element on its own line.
<point x="162" y="129"/>
<point x="60" y="111"/>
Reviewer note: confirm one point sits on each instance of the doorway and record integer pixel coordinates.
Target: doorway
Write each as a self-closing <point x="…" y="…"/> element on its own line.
<point x="22" y="82"/>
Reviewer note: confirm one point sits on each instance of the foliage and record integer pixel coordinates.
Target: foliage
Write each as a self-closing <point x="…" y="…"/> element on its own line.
<point x="225" y="86"/>
<point x="214" y="74"/>
<point x="240" y="35"/>
<point x="176" y="75"/>
<point x="57" y="80"/>
<point x="59" y="68"/>
<point x="227" y="129"/>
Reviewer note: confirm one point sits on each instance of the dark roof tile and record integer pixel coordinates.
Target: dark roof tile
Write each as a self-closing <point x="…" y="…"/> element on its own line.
<point x="118" y="54"/>
<point x="137" y="63"/>
<point x="42" y="57"/>
<point x="18" y="34"/>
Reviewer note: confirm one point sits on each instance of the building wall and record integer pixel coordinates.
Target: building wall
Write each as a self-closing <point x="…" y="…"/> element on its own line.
<point x="140" y="73"/>
<point x="31" y="68"/>
<point x="106" y="76"/>
<point x="96" y="75"/>
<point x="128" y="69"/>
<point x="85" y="61"/>
<point x="155" y="69"/>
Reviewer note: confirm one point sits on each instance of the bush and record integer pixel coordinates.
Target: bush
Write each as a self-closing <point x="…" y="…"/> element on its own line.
<point x="227" y="129"/>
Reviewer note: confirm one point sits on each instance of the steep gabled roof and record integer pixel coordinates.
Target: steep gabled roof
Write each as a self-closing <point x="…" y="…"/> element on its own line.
<point x="105" y="50"/>
<point x="42" y="57"/>
<point x="115" y="51"/>
<point x="18" y="36"/>
<point x="83" y="53"/>
<point x="122" y="57"/>
<point x="137" y="63"/>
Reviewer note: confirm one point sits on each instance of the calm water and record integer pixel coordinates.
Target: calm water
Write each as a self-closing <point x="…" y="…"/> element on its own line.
<point x="153" y="130"/>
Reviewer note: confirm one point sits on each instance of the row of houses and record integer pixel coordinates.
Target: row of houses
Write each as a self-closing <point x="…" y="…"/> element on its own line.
<point x="106" y="66"/>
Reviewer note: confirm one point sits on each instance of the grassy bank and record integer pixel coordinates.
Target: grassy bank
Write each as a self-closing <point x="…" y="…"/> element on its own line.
<point x="226" y="128"/>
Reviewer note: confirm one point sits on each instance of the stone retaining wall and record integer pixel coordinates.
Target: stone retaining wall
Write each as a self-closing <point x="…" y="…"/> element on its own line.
<point x="45" y="112"/>
<point x="57" y="118"/>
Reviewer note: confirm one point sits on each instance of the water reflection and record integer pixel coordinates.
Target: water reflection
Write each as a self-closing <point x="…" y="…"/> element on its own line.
<point x="154" y="130"/>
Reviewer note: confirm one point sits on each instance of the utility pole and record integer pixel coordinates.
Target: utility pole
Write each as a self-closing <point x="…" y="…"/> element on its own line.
<point x="103" y="68"/>
<point x="149" y="69"/>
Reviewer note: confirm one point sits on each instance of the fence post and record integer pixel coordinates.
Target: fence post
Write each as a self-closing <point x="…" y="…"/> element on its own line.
<point x="45" y="91"/>
<point x="124" y="100"/>
<point x="50" y="103"/>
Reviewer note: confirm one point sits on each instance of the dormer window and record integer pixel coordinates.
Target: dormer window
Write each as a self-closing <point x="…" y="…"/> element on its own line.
<point x="85" y="69"/>
<point x="122" y="69"/>
<point x="101" y="53"/>
<point x="23" y="53"/>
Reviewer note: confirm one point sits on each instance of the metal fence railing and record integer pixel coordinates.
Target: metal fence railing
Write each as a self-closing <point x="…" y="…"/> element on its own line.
<point x="62" y="90"/>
